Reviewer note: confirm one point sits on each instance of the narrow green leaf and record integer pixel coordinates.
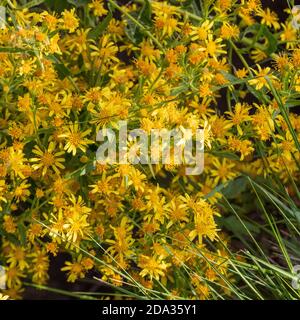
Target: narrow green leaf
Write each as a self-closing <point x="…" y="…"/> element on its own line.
<point x="146" y="13"/>
<point x="78" y="3"/>
<point x="96" y="32"/>
<point x="32" y="3"/>
<point x="22" y="232"/>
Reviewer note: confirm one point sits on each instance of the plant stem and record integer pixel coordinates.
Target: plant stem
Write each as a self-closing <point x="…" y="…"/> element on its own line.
<point x="245" y="63"/>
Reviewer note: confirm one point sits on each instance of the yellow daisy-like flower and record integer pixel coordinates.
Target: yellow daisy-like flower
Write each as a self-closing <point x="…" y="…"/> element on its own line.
<point x="69" y="20"/>
<point x="269" y="18"/>
<point x="205" y="226"/>
<point x="214" y="46"/>
<point x="21" y="192"/>
<point x="76" y="227"/>
<point x="48" y="159"/>
<point x="201" y="33"/>
<point x="75" y="269"/>
<point x="98" y="8"/>
<point x="223" y="170"/>
<point x="76" y="139"/>
<point x="260" y="80"/>
<point x="153" y="267"/>
<point x="239" y="115"/>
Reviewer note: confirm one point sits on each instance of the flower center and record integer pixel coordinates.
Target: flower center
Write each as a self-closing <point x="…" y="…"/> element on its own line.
<point x="48" y="159"/>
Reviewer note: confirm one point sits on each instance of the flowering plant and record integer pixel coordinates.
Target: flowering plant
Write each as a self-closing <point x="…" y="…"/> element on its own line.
<point x="71" y="68"/>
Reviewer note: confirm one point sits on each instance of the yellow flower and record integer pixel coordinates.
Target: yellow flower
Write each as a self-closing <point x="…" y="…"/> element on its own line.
<point x="285" y="145"/>
<point x="48" y="159"/>
<point x="79" y="40"/>
<point x="289" y="35"/>
<point x="269" y="18"/>
<point x="120" y="247"/>
<point x="229" y="31"/>
<point x="167" y="25"/>
<point x="136" y="179"/>
<point x="14" y="277"/>
<point x="103" y="186"/>
<point x="50" y="20"/>
<point x="9" y="224"/>
<point x="258" y="55"/>
<point x="282" y="61"/>
<point x="40" y="268"/>
<point x="223" y="170"/>
<point x="17" y="257"/>
<point x="69" y="20"/>
<point x="76" y="228"/>
<point x="260" y="80"/>
<point x="21" y="191"/>
<point x="75" y="269"/>
<point x="205" y="225"/>
<point x="176" y="212"/>
<point x="152" y="266"/>
<point x="243" y="146"/>
<point x="201" y="32"/>
<point x="214" y="47"/>
<point x="239" y="115"/>
<point x="76" y="139"/>
<point x="16" y="162"/>
<point x="27" y="66"/>
<point x="106" y="50"/>
<point x="224" y="4"/>
<point x="241" y="73"/>
<point x="98" y="8"/>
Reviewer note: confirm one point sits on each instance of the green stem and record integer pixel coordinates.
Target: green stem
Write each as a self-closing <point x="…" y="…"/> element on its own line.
<point x="244" y="62"/>
<point x="62" y="292"/>
<point x="255" y="45"/>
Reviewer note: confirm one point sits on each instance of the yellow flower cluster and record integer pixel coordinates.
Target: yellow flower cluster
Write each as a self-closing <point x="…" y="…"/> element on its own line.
<point x="64" y="76"/>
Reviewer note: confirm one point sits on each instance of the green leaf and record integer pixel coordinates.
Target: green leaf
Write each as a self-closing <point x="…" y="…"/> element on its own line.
<point x="82" y="171"/>
<point x="22" y="233"/>
<point x="146" y="13"/>
<point x="177" y="90"/>
<point x="257" y="94"/>
<point x="253" y="29"/>
<point x="11" y="238"/>
<point x="62" y="70"/>
<point x="217" y="189"/>
<point x="258" y="31"/>
<point x="233" y="224"/>
<point x="32" y="3"/>
<point x="96" y="32"/>
<point x="133" y="33"/>
<point x="58" y="5"/>
<point x="183" y="4"/>
<point x="272" y="41"/>
<point x="224" y="154"/>
<point x="15" y="50"/>
<point x="78" y="3"/>
<point x="235" y="187"/>
<point x="60" y="67"/>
